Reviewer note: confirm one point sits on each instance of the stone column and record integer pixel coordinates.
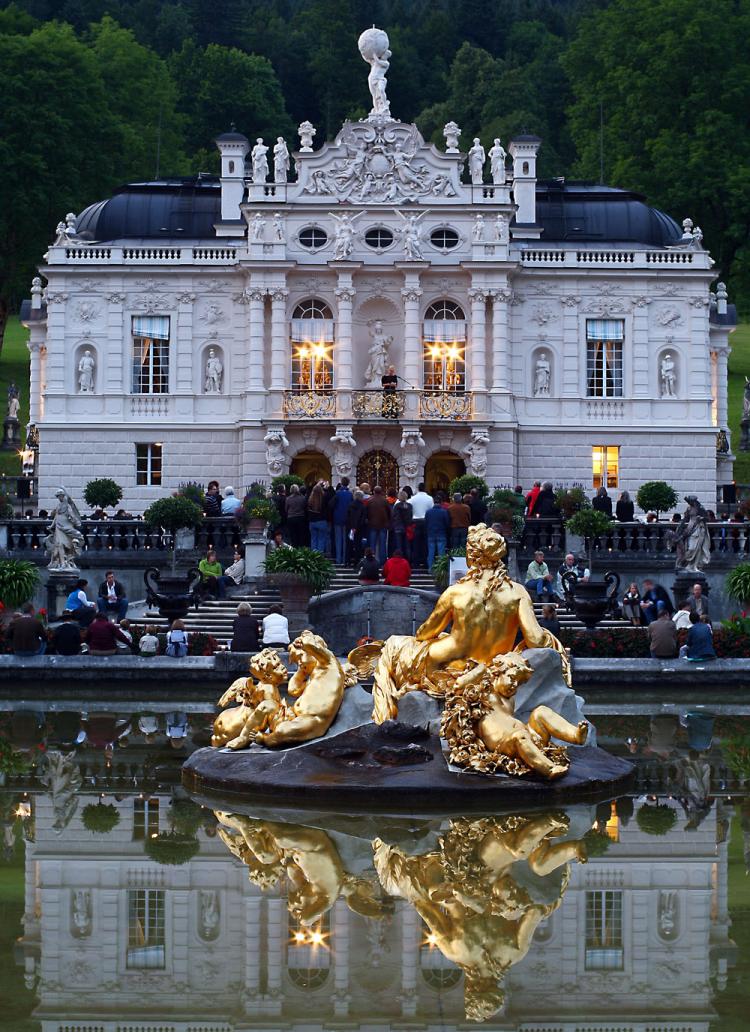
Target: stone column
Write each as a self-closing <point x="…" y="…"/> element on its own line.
<point x="477" y="341"/>
<point x="280" y="360"/>
<point x="410" y="946"/>
<point x="275" y="931"/>
<point x="342" y="358"/>
<point x="722" y="411"/>
<point x="500" y="350"/>
<point x="340" y="928"/>
<point x="35" y="346"/>
<point x="257" y="315"/>
<point x="252" y="955"/>
<point x="411" y="294"/>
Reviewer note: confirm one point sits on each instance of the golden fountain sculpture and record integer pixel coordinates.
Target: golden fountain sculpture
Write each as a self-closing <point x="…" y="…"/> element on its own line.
<point x="466" y="652"/>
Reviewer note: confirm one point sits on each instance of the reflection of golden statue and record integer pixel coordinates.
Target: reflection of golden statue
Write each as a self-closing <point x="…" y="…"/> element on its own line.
<point x="318" y="685"/>
<point x="484" y="735"/>
<point x="485" y="610"/>
<point x="259" y="703"/>
<point x="311" y="861"/>
<point x="478" y="908"/>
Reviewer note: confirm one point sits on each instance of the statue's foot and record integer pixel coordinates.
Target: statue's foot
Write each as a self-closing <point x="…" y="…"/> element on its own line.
<point x="583" y="732"/>
<point x="557" y="770"/>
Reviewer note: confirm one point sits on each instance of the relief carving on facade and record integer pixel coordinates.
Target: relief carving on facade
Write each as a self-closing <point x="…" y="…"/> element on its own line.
<point x="476" y="452"/>
<point x="670" y="315"/>
<point x="343" y="451"/>
<point x="277" y="460"/>
<point x="153" y="305"/>
<point x="411" y="462"/>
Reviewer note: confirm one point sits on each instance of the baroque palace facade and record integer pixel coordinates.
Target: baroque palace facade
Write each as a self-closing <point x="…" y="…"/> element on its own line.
<point x="237" y="327"/>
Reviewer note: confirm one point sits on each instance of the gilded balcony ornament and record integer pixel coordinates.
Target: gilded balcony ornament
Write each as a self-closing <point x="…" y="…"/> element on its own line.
<point x="445" y="405"/>
<point x="378" y="404"/>
<point x="309" y="404"/>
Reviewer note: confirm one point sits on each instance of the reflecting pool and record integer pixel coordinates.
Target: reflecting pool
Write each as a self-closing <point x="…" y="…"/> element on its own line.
<point x="126" y="906"/>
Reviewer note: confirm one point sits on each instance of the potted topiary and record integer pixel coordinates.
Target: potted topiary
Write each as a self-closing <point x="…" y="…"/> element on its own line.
<point x="101" y="818"/>
<point x="462" y="485"/>
<point x="298" y="573"/>
<point x="172" y="593"/>
<point x="171" y="847"/>
<point x="737" y="584"/>
<point x="103" y="493"/>
<point x="592" y="599"/>
<point x="658" y="819"/>
<point x="656" y="496"/>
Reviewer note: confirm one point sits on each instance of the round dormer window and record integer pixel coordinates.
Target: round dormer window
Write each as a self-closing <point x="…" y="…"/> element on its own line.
<point x="444" y="238"/>
<point x="378" y="238"/>
<point x="313" y="237"/>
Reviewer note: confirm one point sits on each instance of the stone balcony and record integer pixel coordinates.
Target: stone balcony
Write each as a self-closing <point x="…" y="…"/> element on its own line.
<point x="375" y="405"/>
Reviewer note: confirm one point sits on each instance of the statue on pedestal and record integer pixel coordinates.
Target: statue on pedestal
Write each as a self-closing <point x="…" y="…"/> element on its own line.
<point x="692" y="540"/>
<point x="259" y="157"/>
<point x="86" y="369"/>
<point x="214" y="373"/>
<point x="497" y="162"/>
<point x="667" y="375"/>
<point x="542" y="376"/>
<point x="280" y="160"/>
<point x="477" y="158"/>
<point x="373" y="46"/>
<point x="378" y="352"/>
<point x="65" y="540"/>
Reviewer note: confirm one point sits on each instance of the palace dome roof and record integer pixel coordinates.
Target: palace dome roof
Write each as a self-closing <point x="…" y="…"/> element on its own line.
<point x="568" y="212"/>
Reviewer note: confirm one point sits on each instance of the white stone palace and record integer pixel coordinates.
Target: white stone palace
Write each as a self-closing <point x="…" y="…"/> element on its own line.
<point x="238" y="327"/>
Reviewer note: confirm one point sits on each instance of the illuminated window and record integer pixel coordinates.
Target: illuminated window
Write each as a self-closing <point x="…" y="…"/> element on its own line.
<point x="604" y="949"/>
<point x="146" y="943"/>
<point x="150" y="354"/>
<point x="312" y="346"/>
<point x="148" y="465"/>
<point x="605" y="465"/>
<point x="604" y="339"/>
<point x="145" y="818"/>
<point x="444" y="342"/>
<point x="308" y="957"/>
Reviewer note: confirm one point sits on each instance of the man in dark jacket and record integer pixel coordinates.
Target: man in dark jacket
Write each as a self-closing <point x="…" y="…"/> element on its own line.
<point x="545" y="507"/>
<point x="378" y="523"/>
<point x="66" y="639"/>
<point x="26" y="634"/>
<point x="653" y="600"/>
<point x="340" y="507"/>
<point x="111" y="597"/>
<point x="602" y="502"/>
<point x="356" y="528"/>
<point x="437" y="525"/>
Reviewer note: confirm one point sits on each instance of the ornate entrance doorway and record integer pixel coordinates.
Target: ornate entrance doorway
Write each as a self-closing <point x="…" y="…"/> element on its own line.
<point x="378" y="468"/>
<point x="312" y="466"/>
<point x="441" y="468"/>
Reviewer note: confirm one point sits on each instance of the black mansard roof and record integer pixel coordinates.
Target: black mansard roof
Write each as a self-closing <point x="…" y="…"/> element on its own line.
<point x="568" y="212"/>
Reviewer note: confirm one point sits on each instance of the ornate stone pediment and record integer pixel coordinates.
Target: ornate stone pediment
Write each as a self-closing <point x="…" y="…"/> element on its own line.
<point x="378" y="161"/>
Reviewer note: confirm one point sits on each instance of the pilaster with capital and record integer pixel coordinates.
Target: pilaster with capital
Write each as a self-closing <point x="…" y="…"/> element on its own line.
<point x="275" y="937"/>
<point x="411" y="294"/>
<point x="571" y="347"/>
<point x="36" y="349"/>
<point x="720" y="388"/>
<point x="478" y="339"/>
<point x="343" y="359"/>
<point x="341" y="996"/>
<point x="642" y="387"/>
<point x="410" y="943"/>
<point x="279" y="339"/>
<point x="252" y="953"/>
<point x="500" y="348"/>
<point x="256" y="312"/>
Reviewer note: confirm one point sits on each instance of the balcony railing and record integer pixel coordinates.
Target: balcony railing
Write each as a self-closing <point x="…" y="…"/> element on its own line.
<point x="636" y="541"/>
<point x="444" y="405"/>
<point x="129" y="536"/>
<point x="377" y="404"/>
<point x="309" y="404"/>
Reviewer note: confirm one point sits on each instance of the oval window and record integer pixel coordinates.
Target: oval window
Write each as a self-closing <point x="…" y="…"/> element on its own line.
<point x="444" y="238"/>
<point x="313" y="236"/>
<point x="378" y="237"/>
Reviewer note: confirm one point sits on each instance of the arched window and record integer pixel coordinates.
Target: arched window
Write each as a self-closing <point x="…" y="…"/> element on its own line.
<point x="308" y="958"/>
<point x="444" y="339"/>
<point x="312" y="346"/>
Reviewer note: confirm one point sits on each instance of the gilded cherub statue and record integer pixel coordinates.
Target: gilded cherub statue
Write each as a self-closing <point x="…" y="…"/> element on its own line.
<point x="484" y="735"/>
<point x="480" y="906"/>
<point x="263" y="717"/>
<point x="311" y="862"/>
<point x="485" y="610"/>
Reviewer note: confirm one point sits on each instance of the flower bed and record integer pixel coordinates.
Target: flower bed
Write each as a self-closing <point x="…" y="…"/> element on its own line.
<point x="731" y="641"/>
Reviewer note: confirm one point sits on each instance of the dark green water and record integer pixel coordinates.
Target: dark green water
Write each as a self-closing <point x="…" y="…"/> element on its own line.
<point x="125" y="907"/>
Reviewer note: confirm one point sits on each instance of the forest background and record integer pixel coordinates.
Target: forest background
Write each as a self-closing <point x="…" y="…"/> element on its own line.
<point x="650" y="95"/>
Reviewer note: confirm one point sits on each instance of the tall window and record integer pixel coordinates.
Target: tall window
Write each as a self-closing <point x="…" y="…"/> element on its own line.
<point x="604" y="339"/>
<point x="444" y="342"/>
<point x="604" y="950"/>
<point x="605" y="465"/>
<point x="145" y="819"/>
<point x="308" y="958"/>
<point x="150" y="354"/>
<point x="312" y="346"/>
<point x="146" y="943"/>
<point x="148" y="465"/>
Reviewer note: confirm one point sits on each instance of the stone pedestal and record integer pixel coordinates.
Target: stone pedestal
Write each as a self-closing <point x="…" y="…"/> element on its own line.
<point x="11" y="434"/>
<point x="59" y="586"/>
<point x="682" y="587"/>
<point x="255" y="553"/>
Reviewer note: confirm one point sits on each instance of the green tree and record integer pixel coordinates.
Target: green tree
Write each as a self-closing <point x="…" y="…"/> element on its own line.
<point x="674" y="128"/>
<point x="656" y="496"/>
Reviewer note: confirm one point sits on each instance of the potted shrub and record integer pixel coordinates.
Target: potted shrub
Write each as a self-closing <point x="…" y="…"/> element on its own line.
<point x="441" y="567"/>
<point x="18" y="581"/>
<point x="506" y="508"/>
<point x="298" y="573"/>
<point x="466" y="483"/>
<point x="569" y="500"/>
<point x="103" y="493"/>
<point x="101" y="818"/>
<point x="591" y="600"/>
<point x="172" y="593"/>
<point x="656" y="496"/>
<point x="737" y="584"/>
<point x="658" y="819"/>
<point x="257" y="512"/>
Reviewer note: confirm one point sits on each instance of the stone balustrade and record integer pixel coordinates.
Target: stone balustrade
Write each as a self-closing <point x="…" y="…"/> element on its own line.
<point x="636" y="540"/>
<point x="610" y="256"/>
<point x="77" y="254"/>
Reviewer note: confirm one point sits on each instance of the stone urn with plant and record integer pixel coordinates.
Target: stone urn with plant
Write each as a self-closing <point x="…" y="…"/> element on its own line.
<point x="172" y="592"/>
<point x="298" y="574"/>
<point x="593" y="599"/>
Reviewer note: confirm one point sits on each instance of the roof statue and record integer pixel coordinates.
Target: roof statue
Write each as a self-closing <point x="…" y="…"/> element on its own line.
<point x="373" y="46"/>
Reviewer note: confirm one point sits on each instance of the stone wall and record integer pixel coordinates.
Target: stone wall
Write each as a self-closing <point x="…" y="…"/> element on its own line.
<point x="341" y="617"/>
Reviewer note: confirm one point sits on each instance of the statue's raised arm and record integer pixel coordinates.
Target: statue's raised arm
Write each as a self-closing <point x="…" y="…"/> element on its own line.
<point x="373" y="46"/>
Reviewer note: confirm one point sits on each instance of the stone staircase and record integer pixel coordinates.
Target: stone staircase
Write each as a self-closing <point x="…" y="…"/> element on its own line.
<point x="215" y="617"/>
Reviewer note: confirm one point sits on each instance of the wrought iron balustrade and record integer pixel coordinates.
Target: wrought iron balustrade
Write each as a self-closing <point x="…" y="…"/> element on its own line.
<point x="445" y="405"/>
<point x="309" y="404"/>
<point x="378" y="404"/>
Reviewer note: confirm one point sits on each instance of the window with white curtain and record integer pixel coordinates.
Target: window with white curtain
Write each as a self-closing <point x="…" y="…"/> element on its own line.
<point x="150" y="354"/>
<point x="604" y="943"/>
<point x="312" y="342"/>
<point x="604" y="346"/>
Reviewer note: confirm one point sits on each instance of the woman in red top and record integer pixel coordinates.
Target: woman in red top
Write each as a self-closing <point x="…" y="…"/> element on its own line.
<point x="531" y="497"/>
<point x="397" y="571"/>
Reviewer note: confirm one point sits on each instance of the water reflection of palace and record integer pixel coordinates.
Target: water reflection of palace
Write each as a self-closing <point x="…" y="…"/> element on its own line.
<point x="113" y="941"/>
